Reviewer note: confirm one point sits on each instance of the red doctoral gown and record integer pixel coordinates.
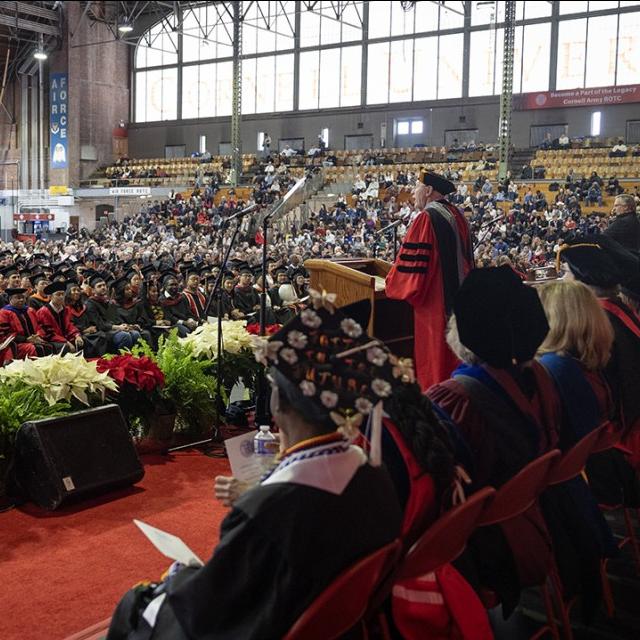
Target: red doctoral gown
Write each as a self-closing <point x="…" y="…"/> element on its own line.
<point x="56" y="327"/>
<point x="434" y="258"/>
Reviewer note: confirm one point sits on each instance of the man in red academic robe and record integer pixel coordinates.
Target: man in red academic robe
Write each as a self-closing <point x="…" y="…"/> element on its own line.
<point x="55" y="321"/>
<point x="435" y="256"/>
<point x="21" y="323"/>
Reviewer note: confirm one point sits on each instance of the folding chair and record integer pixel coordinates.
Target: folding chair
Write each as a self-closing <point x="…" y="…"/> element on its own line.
<point x="441" y="543"/>
<point x="514" y="498"/>
<point x="343" y="603"/>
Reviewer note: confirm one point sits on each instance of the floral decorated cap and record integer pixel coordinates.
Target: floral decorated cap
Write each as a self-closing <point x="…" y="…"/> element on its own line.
<point x="331" y="361"/>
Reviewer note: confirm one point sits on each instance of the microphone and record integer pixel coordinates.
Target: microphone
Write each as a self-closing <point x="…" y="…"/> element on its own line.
<point x="239" y="214"/>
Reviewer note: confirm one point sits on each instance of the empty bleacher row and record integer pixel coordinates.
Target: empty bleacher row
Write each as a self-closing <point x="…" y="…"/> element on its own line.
<point x="583" y="162"/>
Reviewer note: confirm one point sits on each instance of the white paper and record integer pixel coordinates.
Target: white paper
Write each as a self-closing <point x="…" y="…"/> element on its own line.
<point x="245" y="465"/>
<point x="153" y="609"/>
<point x="169" y="545"/>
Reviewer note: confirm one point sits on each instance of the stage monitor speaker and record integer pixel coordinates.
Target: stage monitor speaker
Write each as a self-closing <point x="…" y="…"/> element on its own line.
<point x="61" y="460"/>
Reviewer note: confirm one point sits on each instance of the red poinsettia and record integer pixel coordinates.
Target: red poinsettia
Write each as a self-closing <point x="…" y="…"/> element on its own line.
<point x="141" y="372"/>
<point x="270" y="329"/>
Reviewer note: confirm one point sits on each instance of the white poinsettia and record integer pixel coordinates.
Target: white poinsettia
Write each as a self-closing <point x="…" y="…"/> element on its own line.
<point x="204" y="340"/>
<point x="351" y="328"/>
<point x="61" y="377"/>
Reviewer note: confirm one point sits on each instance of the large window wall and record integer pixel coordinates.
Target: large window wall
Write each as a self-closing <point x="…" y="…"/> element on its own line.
<point x="300" y="55"/>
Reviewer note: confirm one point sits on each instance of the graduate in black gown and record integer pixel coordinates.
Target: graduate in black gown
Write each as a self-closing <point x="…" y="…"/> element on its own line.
<point x="176" y="306"/>
<point x="322" y="508"/>
<point x="95" y="341"/>
<point x="246" y="297"/>
<point x="129" y="310"/>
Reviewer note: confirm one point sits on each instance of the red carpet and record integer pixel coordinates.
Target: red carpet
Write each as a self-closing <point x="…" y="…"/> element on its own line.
<point x="63" y="571"/>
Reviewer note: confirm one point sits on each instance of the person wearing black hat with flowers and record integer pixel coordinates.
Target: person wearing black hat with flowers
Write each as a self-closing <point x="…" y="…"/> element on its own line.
<point x="434" y="258"/>
<point x="323" y="507"/>
<point x="18" y="321"/>
<point x="55" y="321"/>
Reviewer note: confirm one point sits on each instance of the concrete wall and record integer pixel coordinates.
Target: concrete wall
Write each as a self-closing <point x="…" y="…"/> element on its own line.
<point x="149" y="140"/>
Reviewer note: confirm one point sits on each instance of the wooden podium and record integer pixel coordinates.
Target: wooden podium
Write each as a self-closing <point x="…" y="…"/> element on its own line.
<point x="355" y="279"/>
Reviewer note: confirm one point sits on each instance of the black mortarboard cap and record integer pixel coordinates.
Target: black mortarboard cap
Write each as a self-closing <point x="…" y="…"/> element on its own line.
<point x="599" y="261"/>
<point x="438" y="182"/>
<point x="54" y="287"/>
<point x="499" y="318"/>
<point x="15" y="291"/>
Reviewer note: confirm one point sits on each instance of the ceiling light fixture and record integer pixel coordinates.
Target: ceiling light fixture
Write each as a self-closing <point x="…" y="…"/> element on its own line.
<point x="125" y="26"/>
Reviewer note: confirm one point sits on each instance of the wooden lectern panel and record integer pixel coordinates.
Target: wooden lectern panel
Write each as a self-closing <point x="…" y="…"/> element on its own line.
<point x="357" y="279"/>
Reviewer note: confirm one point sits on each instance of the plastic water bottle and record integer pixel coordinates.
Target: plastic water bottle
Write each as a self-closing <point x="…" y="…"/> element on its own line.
<point x="265" y="446"/>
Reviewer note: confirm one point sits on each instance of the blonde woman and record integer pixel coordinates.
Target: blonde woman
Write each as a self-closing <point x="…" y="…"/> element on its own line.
<point x="575" y="352"/>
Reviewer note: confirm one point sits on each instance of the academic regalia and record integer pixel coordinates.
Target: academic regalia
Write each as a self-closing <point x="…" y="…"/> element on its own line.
<point x="505" y="429"/>
<point x="282" y="543"/>
<point x="284" y="313"/>
<point x="103" y="315"/>
<point x="36" y="302"/>
<point x="197" y="303"/>
<point x="246" y="299"/>
<point x="95" y="344"/>
<point x="227" y="304"/>
<point x="132" y="313"/>
<point x="22" y="323"/>
<point x="56" y="327"/>
<point x="177" y="308"/>
<point x="433" y="260"/>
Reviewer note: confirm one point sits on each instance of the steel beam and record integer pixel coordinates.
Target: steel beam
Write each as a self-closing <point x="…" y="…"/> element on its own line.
<point x="506" y="98"/>
<point x="236" y="99"/>
<point x="15" y="22"/>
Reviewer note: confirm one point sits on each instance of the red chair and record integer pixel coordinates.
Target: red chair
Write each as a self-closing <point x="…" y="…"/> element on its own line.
<point x="512" y="499"/>
<point x="573" y="461"/>
<point x="441" y="543"/>
<point x="343" y="603"/>
<point x="520" y="493"/>
<point x="609" y="437"/>
<point x="569" y="466"/>
<point x="446" y="538"/>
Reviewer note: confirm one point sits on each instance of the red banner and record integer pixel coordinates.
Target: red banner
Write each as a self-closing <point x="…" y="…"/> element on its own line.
<point x="594" y="97"/>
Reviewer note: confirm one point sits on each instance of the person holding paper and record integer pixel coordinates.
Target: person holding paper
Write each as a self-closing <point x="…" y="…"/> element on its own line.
<point x="323" y="507"/>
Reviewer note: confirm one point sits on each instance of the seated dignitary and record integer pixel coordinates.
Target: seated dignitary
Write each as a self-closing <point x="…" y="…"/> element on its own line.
<point x="20" y="323"/>
<point x="322" y="507"/>
<point x="176" y="306"/>
<point x="56" y="326"/>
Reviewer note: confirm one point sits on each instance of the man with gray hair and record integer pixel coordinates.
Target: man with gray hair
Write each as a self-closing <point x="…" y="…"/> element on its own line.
<point x="625" y="229"/>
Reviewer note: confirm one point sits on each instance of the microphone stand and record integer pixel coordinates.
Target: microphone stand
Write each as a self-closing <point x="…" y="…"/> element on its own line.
<point x="263" y="414"/>
<point x="390" y="227"/>
<point x="216" y="293"/>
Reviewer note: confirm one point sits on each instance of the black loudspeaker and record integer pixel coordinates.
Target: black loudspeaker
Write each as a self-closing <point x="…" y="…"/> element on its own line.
<point x="60" y="460"/>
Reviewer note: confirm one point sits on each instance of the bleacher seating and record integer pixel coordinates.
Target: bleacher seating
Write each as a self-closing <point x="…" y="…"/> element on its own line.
<point x="558" y="162"/>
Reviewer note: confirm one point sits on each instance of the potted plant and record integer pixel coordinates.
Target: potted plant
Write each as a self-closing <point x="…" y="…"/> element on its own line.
<point x="68" y="378"/>
<point x="140" y="382"/>
<point x="20" y="403"/>
<point x="238" y="362"/>
<point x="188" y="386"/>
